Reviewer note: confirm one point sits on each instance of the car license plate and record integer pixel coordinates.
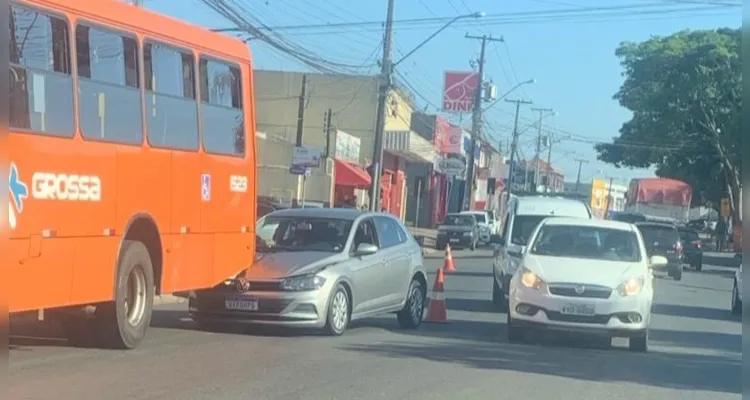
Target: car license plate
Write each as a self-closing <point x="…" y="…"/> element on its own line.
<point x="455" y="240"/>
<point x="578" y="309"/>
<point x="241" y="304"/>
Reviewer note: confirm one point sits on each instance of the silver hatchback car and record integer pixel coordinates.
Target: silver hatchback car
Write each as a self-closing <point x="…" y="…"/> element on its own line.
<point x="322" y="268"/>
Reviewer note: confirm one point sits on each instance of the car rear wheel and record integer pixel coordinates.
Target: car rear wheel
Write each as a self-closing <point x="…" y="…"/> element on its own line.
<point x="410" y="317"/>
<point x="676" y="274"/>
<point x="337" y="319"/>
<point x="736" y="302"/>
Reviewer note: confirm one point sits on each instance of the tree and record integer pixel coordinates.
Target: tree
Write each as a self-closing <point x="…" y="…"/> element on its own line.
<point x="684" y="91"/>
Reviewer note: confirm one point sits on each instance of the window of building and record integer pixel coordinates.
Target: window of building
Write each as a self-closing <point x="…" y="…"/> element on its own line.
<point x="108" y="95"/>
<point x="221" y="116"/>
<point x="171" y="106"/>
<point x="41" y="85"/>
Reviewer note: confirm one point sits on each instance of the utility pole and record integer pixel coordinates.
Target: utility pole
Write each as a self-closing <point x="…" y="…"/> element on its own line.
<point x="609" y="198"/>
<point x="539" y="144"/>
<point x="476" y="120"/>
<point x="549" y="162"/>
<point x="301" y="179"/>
<point x="385" y="87"/>
<point x="514" y="144"/>
<point x="580" y="165"/>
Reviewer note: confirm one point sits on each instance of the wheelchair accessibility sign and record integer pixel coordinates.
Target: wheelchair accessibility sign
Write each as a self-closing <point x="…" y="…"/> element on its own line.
<point x="206" y="187"/>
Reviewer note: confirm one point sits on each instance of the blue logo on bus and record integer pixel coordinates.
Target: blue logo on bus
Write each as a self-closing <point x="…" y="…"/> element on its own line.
<point x="18" y="192"/>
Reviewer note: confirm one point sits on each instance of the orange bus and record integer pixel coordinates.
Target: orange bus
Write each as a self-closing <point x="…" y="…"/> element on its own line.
<point x="132" y="163"/>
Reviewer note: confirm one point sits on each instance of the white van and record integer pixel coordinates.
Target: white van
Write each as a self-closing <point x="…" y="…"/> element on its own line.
<point x="523" y="215"/>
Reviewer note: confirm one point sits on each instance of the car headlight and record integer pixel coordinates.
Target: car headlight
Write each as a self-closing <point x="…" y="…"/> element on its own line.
<point x="631" y="287"/>
<point x="468" y="233"/>
<point x="531" y="280"/>
<point x="300" y="283"/>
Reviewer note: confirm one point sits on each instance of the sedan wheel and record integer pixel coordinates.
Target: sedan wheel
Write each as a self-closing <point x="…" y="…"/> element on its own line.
<point x="338" y="312"/>
<point x="411" y="315"/>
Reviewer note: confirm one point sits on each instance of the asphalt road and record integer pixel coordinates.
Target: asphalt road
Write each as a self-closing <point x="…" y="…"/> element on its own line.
<point x="695" y="354"/>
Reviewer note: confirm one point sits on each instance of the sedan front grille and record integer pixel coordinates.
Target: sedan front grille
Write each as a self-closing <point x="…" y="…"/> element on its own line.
<point x="580" y="290"/>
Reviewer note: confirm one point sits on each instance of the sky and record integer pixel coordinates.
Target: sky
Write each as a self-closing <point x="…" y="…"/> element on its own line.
<point x="571" y="56"/>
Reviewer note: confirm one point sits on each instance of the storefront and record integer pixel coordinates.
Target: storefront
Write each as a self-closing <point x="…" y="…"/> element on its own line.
<point x="401" y="148"/>
<point x="350" y="181"/>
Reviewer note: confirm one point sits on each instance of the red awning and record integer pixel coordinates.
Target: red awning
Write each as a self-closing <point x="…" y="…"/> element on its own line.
<point x="348" y="174"/>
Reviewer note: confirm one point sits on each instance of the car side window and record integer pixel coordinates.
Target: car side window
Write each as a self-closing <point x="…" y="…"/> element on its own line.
<point x="389" y="232"/>
<point x="365" y="234"/>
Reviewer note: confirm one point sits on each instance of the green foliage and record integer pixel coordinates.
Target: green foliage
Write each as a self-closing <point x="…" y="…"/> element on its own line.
<point x="684" y="91"/>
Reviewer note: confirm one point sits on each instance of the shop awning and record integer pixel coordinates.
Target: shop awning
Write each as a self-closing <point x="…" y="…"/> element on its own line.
<point x="348" y="174"/>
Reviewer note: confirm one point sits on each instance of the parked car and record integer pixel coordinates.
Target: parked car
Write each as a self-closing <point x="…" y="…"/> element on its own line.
<point x="322" y="268"/>
<point x="663" y="239"/>
<point x="458" y="230"/>
<point x="737" y="289"/>
<point x="692" y="248"/>
<point x="523" y="215"/>
<point x="483" y="223"/>
<point x="584" y="276"/>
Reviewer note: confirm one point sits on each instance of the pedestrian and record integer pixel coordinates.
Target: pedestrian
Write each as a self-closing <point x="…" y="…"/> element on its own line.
<point x="721" y="234"/>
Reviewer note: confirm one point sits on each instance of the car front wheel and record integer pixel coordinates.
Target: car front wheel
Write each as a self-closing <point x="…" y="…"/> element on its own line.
<point x="338" y="312"/>
<point x="410" y="317"/>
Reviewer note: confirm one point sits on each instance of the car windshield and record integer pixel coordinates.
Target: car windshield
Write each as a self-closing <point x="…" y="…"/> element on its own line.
<point x="302" y="234"/>
<point x="658" y="234"/>
<point x="589" y="242"/>
<point x="689" y="236"/>
<point x="523" y="227"/>
<point x="452" y="220"/>
<point x="480" y="218"/>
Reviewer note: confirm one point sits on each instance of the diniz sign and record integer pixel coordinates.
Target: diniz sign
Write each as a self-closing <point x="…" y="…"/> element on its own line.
<point x="459" y="91"/>
<point x="451" y="166"/>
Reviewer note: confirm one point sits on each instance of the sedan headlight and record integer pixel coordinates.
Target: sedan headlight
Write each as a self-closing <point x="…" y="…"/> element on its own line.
<point x="631" y="287"/>
<point x="305" y="282"/>
<point x="531" y="280"/>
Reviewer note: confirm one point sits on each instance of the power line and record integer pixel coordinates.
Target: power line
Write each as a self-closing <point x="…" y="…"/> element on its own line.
<point x="657" y="8"/>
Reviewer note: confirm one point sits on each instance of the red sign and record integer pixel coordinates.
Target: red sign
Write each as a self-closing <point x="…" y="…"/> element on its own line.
<point x="459" y="89"/>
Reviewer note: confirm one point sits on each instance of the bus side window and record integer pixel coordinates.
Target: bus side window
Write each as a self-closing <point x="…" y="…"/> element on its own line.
<point x="171" y="106"/>
<point x="109" y="86"/>
<point x="221" y="116"/>
<point x="41" y="85"/>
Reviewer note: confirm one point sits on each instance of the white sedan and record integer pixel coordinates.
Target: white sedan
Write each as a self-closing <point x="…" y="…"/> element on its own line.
<point x="584" y="276"/>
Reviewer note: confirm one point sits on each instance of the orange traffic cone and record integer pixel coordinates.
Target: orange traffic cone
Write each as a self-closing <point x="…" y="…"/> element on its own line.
<point x="448" y="265"/>
<point x="437" y="312"/>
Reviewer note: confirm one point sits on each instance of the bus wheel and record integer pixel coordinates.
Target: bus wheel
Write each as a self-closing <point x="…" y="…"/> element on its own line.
<point x="123" y="322"/>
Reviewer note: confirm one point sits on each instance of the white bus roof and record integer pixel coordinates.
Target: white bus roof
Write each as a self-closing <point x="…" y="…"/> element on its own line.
<point x="543" y="205"/>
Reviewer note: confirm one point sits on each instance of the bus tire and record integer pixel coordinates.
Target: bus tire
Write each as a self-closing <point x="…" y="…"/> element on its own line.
<point x="124" y="321"/>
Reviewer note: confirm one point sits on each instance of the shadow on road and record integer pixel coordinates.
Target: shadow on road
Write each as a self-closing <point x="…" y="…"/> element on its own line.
<point x="471" y="305"/>
<point x="686" y="372"/>
<point x="724" y="273"/>
<point x="677" y="310"/>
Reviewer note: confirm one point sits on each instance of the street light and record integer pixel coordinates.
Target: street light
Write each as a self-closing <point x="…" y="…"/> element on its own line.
<point x="478" y="14"/>
<point x="386" y="71"/>
<point x="511" y="90"/>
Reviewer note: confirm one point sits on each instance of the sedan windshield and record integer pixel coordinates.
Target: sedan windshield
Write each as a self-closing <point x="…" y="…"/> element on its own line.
<point x="452" y="220"/>
<point x="302" y="234"/>
<point x="587" y="242"/>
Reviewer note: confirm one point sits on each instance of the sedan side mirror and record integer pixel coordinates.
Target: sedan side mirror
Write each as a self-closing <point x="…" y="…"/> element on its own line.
<point x="658" y="261"/>
<point x="496" y="239"/>
<point x="366" y="249"/>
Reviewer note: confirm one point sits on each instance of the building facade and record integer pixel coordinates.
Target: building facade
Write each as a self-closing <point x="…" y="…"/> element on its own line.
<point x="347" y="143"/>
